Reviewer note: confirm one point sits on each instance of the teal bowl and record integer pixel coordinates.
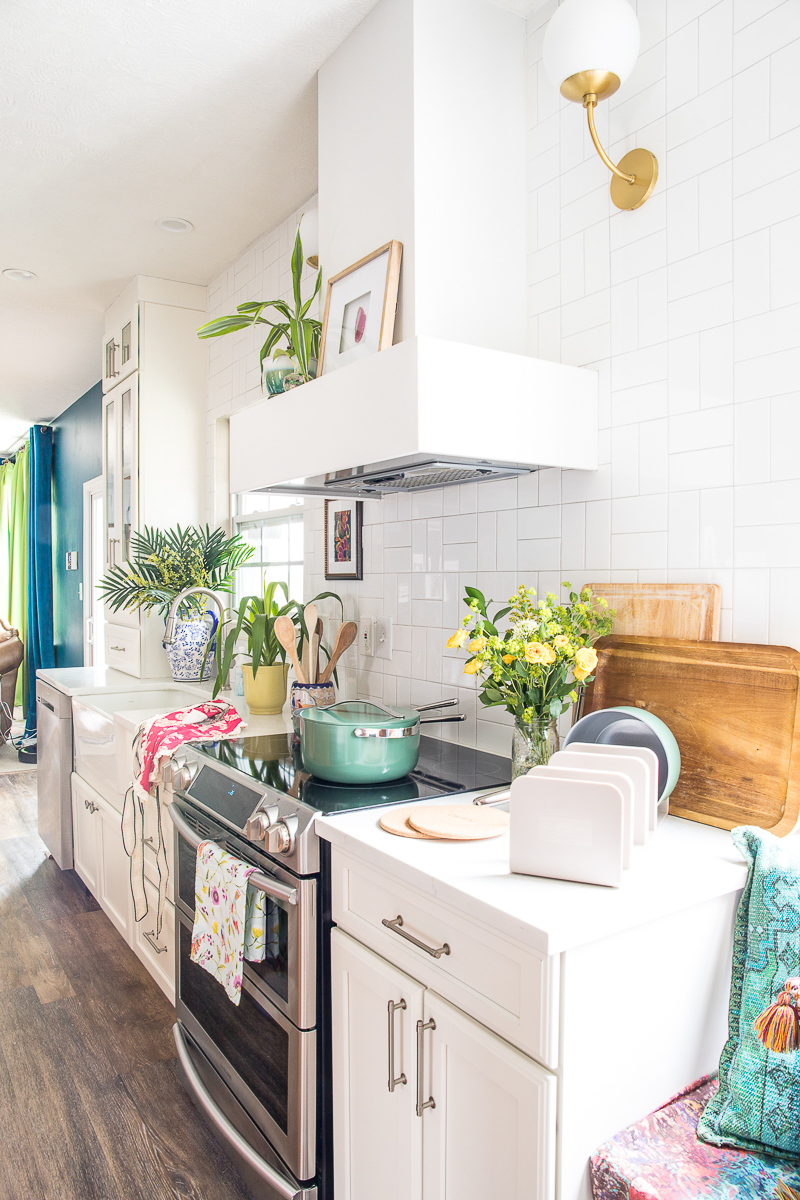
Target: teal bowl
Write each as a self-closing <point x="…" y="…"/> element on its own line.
<point x="624" y="726"/>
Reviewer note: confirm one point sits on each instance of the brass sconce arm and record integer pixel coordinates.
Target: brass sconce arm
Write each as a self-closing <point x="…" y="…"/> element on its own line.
<point x="590" y="103"/>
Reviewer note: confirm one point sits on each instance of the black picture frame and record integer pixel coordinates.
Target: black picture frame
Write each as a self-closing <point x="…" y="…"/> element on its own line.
<point x="353" y="567"/>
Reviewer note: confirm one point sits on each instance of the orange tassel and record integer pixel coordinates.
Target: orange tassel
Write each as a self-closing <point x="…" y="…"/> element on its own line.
<point x="778" y="1027"/>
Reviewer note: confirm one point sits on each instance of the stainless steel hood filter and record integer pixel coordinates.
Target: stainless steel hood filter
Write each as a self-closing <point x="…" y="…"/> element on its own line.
<point x="415" y="473"/>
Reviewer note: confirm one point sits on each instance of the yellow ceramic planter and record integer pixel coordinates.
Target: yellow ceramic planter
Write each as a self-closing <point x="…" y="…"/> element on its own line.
<point x="265" y="692"/>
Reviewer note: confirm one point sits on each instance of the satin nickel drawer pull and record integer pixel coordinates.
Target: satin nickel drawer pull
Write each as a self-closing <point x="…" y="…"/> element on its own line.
<point x="119" y="649"/>
<point x="396" y="925"/>
<point x="430" y="1102"/>
<point x="151" y="939"/>
<point x="393" y="1082"/>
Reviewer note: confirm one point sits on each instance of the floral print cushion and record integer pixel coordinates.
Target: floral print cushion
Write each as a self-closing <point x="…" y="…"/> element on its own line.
<point x="660" y="1158"/>
<point x="221" y="915"/>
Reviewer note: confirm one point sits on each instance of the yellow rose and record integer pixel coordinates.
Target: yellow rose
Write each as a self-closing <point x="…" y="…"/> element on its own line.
<point x="550" y="655"/>
<point x="476" y="644"/>
<point x="561" y="642"/>
<point x="534" y="652"/>
<point x="472" y="667"/>
<point x="457" y="640"/>
<point x="585" y="661"/>
<point x="580" y="675"/>
<point x="509" y="658"/>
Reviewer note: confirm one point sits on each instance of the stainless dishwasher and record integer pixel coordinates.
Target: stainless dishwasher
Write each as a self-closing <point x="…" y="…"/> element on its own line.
<point x="54" y="763"/>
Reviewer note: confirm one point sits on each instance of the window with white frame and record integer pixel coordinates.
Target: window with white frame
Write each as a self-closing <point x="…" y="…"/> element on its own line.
<point x="273" y="526"/>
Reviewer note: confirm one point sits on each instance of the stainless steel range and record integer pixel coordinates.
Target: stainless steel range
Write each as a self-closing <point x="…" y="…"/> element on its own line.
<point x="261" y="1072"/>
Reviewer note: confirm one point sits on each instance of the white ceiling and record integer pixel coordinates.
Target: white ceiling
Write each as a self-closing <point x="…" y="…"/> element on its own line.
<point x="114" y="113"/>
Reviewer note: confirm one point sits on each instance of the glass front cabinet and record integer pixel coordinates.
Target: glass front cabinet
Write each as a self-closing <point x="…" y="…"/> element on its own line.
<point x="121" y="349"/>
<point x="121" y="476"/>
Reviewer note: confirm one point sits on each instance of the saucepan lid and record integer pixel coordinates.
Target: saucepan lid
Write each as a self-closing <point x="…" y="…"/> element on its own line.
<point x="366" y="714"/>
<point x="624" y="726"/>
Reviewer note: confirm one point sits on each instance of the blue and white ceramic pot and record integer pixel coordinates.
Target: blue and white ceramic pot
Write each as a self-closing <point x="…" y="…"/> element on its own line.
<point x="185" y="654"/>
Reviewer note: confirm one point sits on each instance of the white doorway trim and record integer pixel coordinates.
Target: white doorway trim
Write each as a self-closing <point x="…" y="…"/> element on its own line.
<point x="93" y="640"/>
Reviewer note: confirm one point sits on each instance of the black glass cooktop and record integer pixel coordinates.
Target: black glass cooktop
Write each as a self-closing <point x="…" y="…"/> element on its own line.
<point x="443" y="769"/>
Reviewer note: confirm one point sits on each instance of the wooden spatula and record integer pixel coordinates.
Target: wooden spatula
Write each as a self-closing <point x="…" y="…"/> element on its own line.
<point x="285" y="633"/>
<point x="345" y="637"/>
<point x="315" y="645"/>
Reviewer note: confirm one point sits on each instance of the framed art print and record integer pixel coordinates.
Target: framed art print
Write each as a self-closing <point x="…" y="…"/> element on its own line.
<point x="343" y="557"/>
<point x="360" y="305"/>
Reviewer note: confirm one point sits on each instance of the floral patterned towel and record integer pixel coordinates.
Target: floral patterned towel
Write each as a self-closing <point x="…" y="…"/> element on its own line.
<point x="222" y="911"/>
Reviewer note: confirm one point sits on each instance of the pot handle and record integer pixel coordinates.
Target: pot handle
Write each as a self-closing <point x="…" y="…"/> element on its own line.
<point x="441" y="720"/>
<point x="437" y="704"/>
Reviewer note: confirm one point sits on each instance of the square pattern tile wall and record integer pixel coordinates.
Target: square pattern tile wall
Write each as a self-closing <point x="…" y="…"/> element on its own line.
<point x="688" y="308"/>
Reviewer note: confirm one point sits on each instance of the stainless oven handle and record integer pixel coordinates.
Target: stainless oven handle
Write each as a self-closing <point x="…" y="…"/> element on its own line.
<point x="283" y="1186"/>
<point x="281" y="891"/>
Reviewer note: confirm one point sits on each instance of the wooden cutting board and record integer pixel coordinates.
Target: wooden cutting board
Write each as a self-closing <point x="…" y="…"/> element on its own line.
<point x="675" y="610"/>
<point x="458" y="822"/>
<point x="734" y="711"/>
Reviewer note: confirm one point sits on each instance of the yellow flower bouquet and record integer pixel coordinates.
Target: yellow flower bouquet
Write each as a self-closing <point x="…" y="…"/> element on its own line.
<point x="535" y="668"/>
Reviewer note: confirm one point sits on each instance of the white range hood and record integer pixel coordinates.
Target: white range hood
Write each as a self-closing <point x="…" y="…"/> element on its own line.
<point x="425" y="401"/>
<point x="422" y="139"/>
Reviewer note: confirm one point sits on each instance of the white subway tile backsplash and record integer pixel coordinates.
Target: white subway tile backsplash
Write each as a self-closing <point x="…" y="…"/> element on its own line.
<point x="784" y="255"/>
<point x="767" y="34"/>
<point x="635" y="551"/>
<point x="683" y="51"/>
<point x="700" y="430"/>
<point x="751" y="273"/>
<point x="701" y="469"/>
<point x="683" y="543"/>
<point x="785" y="436"/>
<point x="462" y="528"/>
<point x="752" y="437"/>
<point x="541" y="522"/>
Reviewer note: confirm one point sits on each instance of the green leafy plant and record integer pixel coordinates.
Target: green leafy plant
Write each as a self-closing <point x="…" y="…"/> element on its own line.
<point x="535" y="668"/>
<point x="255" y="617"/>
<point x="164" y="562"/>
<point x="301" y="332"/>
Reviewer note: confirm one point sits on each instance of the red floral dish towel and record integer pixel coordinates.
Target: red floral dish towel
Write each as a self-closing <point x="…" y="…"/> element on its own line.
<point x="155" y="741"/>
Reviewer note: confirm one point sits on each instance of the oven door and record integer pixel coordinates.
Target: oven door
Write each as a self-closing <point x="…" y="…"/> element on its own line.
<point x="287" y="976"/>
<point x="268" y="1064"/>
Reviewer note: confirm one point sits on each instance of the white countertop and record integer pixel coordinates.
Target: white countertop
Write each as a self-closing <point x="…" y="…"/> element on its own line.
<point x="92" y="681"/>
<point x="684" y="865"/>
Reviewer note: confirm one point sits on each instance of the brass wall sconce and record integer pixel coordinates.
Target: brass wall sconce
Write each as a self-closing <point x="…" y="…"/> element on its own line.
<point x="582" y="32"/>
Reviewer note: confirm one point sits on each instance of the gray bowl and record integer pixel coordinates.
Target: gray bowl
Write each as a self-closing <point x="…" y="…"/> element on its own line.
<point x="625" y="726"/>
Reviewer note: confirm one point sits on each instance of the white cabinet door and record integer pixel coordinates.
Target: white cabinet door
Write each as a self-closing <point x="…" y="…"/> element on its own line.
<point x="121" y="349"/>
<point x="377" y="1134"/>
<point x="114" y="893"/>
<point x="121" y="480"/>
<point x="492" y="1130"/>
<point x="85" y="833"/>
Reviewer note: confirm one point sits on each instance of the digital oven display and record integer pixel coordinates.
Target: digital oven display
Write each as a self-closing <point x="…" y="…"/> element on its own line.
<point x="225" y="796"/>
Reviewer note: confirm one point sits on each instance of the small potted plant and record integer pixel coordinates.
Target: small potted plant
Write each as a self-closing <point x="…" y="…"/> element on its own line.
<point x="292" y="341"/>
<point x="164" y="563"/>
<point x="536" y="667"/>
<point x="265" y="670"/>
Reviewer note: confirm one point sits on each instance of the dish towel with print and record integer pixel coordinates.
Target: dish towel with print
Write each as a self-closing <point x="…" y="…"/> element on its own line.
<point x="154" y="742"/>
<point x="229" y="917"/>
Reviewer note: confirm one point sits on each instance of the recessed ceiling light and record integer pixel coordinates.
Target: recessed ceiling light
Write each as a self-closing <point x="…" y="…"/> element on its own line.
<point x="175" y="225"/>
<point x="18" y="273"/>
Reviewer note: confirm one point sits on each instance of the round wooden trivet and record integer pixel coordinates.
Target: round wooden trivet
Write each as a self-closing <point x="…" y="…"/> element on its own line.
<point x="458" y="822"/>
<point x="396" y="822"/>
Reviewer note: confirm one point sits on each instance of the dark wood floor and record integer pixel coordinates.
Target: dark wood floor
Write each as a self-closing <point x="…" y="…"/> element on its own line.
<point x="91" y="1106"/>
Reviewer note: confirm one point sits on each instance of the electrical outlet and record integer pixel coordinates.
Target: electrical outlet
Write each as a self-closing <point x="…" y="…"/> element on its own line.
<point x="383" y="637"/>
<point x="366" y="636"/>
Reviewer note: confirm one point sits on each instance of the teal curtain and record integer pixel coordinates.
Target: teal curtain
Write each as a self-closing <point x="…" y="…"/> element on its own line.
<point x="40" y="648"/>
<point x="14" y="552"/>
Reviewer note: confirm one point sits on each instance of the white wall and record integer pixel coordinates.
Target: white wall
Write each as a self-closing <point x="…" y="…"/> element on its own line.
<point x="690" y="310"/>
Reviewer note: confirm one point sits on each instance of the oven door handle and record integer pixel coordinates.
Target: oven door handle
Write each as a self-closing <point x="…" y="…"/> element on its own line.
<point x="281" y="891"/>
<point x="284" y="1187"/>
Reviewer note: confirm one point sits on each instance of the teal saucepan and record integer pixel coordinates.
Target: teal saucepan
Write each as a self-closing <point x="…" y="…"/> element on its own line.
<point x="359" y="742"/>
<point x="624" y="726"/>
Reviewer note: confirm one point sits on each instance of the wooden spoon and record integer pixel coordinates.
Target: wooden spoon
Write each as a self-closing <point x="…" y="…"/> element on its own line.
<point x="285" y="633"/>
<point x="345" y="637"/>
<point x="310" y="614"/>
<point x="315" y="649"/>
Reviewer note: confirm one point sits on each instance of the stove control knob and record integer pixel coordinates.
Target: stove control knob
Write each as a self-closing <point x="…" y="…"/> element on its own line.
<point x="282" y="836"/>
<point x="181" y="773"/>
<point x="257" y="826"/>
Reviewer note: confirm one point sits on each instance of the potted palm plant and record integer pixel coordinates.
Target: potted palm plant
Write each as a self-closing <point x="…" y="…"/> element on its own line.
<point x="265" y="670"/>
<point x="294" y="339"/>
<point x="164" y="563"/>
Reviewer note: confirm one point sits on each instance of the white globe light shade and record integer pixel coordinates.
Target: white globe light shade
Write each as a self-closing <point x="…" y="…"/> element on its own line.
<point x="591" y="35"/>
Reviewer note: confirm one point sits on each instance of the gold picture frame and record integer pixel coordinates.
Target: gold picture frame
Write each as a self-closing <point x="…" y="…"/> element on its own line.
<point x="360" y="307"/>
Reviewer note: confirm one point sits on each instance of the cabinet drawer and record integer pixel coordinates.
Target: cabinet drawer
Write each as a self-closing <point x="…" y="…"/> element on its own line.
<point x="507" y="987"/>
<point x="123" y="649"/>
<point x="157" y="952"/>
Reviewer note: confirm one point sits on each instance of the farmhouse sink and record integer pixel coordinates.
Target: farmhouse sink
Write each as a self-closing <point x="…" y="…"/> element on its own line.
<point x="103" y="727"/>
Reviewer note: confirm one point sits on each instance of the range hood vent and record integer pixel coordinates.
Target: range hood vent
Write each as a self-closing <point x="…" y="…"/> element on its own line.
<point x="411" y="474"/>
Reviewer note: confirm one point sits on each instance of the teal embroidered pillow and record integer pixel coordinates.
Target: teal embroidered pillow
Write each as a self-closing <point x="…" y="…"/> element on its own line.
<point x="757" y="1106"/>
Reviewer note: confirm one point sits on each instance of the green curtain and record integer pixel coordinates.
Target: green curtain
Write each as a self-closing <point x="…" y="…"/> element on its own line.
<point x="14" y="553"/>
